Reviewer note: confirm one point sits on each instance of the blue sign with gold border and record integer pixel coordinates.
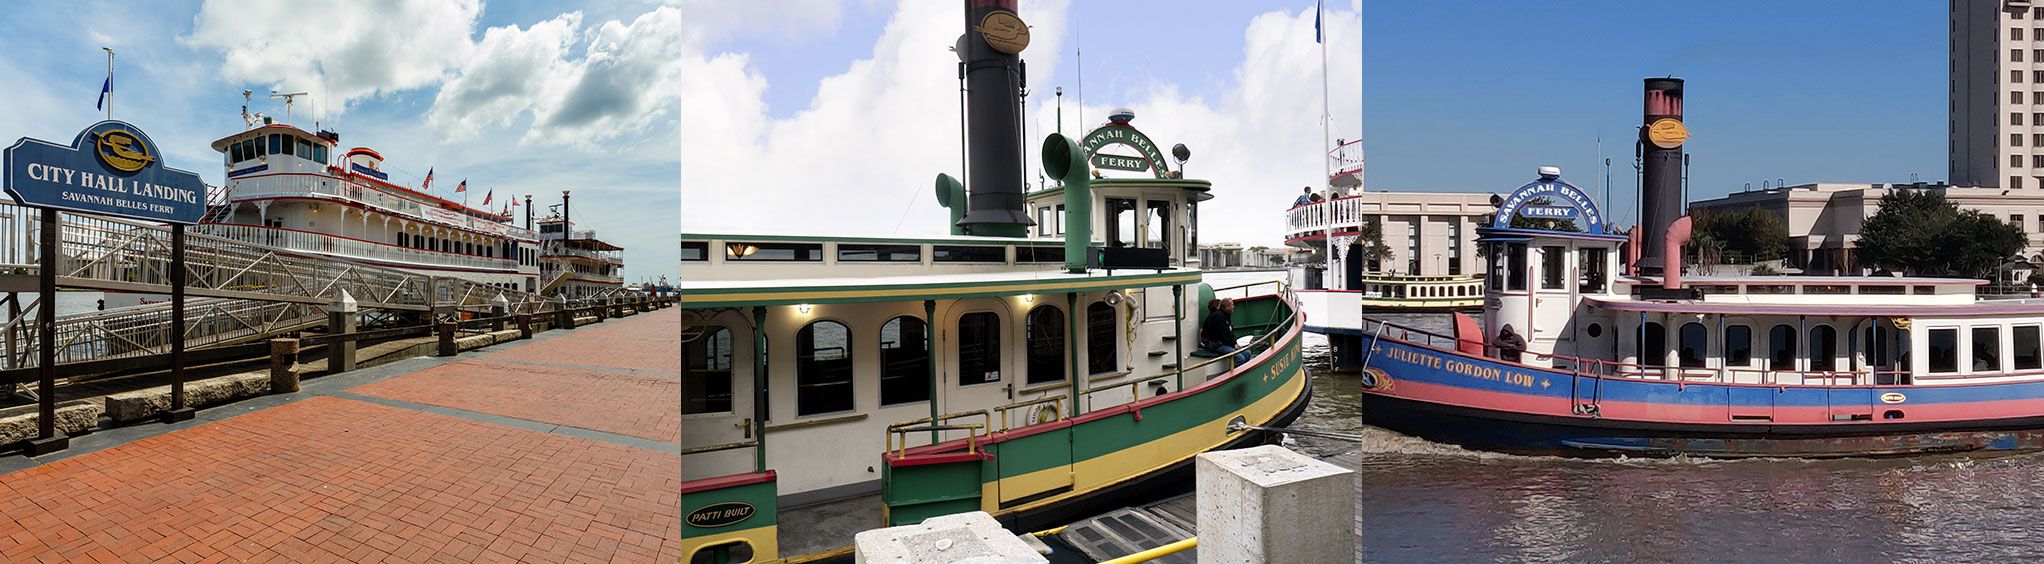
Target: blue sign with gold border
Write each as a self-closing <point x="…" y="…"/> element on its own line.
<point x="111" y="168"/>
<point x="1550" y="198"/>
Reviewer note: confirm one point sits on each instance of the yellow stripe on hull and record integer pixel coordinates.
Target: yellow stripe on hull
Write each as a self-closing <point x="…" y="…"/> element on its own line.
<point x="764" y="540"/>
<point x="1088" y="476"/>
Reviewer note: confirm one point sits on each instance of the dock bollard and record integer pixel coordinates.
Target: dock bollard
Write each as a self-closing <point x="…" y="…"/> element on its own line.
<point x="446" y="331"/>
<point x="283" y="366"/>
<point x="1269" y="504"/>
<point x="525" y="326"/>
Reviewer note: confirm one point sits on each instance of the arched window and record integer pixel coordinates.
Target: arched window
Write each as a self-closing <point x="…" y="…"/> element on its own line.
<point x="1781" y="348"/>
<point x="1823" y="348"/>
<point x="1738" y="345"/>
<point x="1695" y="345"/>
<point x="904" y="361"/>
<point x="1046" y="335"/>
<point x="823" y="368"/>
<point x="706" y="373"/>
<point x="979" y="348"/>
<point x="1100" y="339"/>
<point x="1653" y="345"/>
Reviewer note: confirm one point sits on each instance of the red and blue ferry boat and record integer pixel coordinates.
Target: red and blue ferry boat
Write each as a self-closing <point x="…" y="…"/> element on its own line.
<point x="1649" y="362"/>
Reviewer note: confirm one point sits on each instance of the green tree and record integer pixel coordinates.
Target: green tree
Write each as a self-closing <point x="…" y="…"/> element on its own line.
<point x="1372" y="241"/>
<point x="1753" y="233"/>
<point x="1919" y="232"/>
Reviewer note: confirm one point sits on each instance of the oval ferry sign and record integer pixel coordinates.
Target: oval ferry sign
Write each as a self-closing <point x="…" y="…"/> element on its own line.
<point x="111" y="168"/>
<point x="720" y="515"/>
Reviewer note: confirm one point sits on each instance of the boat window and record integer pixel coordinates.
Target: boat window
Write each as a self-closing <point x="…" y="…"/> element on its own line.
<point x="1770" y="289"/>
<point x="1923" y="290"/>
<point x="1594" y="277"/>
<point x="1596" y="330"/>
<point x="1881" y="290"/>
<point x="1039" y="254"/>
<point x="1100" y="339"/>
<point x="304" y="149"/>
<point x="1192" y="230"/>
<point x="1944" y="350"/>
<point x="1695" y="344"/>
<point x="1986" y="349"/>
<point x="961" y="253"/>
<point x="1738" y="345"/>
<point x="979" y="348"/>
<point x="1823" y="348"/>
<point x="904" y="361"/>
<point x="773" y="251"/>
<point x="1781" y="348"/>
<point x="319" y="153"/>
<point x="1653" y="345"/>
<point x="1496" y="276"/>
<point x="2026" y="352"/>
<point x="1046" y="335"/>
<point x="1553" y="262"/>
<point x="233" y="153"/>
<point x="1060" y="219"/>
<point x="1043" y="224"/>
<point x="1121" y="222"/>
<point x="276" y="146"/>
<point x="1515" y="273"/>
<point x="823" y="368"/>
<point x="1827" y="289"/>
<point x="706" y="373"/>
<point x="1157" y="234"/>
<point x="879" y="253"/>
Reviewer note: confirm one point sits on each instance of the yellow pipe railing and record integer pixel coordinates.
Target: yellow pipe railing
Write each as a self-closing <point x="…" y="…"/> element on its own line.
<point x="1155" y="553"/>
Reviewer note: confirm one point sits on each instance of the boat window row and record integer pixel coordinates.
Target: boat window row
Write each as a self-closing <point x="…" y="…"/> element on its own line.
<point x="1413" y="291"/>
<point x="445" y="245"/>
<point x="825" y="351"/>
<point x="1980" y="350"/>
<point x="859" y="252"/>
<point x="276" y="144"/>
<point x="1818" y="289"/>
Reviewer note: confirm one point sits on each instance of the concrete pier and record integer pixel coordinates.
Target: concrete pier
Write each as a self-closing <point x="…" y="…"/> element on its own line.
<point x="1269" y="504"/>
<point x="563" y="447"/>
<point x="967" y="538"/>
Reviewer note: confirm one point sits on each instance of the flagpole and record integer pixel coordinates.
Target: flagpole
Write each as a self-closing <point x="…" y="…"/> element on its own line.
<point x="109" y="82"/>
<point x="1326" y="174"/>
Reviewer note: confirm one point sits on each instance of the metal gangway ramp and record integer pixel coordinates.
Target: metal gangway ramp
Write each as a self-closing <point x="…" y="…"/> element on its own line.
<point x="237" y="291"/>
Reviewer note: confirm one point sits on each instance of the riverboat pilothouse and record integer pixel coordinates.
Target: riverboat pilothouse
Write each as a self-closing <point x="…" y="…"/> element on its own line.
<point x="1026" y="368"/>
<point x="1625" y="355"/>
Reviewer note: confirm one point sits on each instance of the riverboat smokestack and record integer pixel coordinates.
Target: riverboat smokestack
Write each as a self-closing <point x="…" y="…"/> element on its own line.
<point x="994" y="36"/>
<point x="1661" y="136"/>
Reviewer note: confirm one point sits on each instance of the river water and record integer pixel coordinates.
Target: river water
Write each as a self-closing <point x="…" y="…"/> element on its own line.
<point x="1430" y="502"/>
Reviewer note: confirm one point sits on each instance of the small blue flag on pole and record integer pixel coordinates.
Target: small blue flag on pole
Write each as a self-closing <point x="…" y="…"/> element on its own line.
<point x="1318" y="36"/>
<point x="104" y="89"/>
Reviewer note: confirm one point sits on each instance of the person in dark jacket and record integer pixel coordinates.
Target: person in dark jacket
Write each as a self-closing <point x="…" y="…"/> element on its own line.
<point x="1218" y="331"/>
<point x="1304" y="198"/>
<point x="1509" y="344"/>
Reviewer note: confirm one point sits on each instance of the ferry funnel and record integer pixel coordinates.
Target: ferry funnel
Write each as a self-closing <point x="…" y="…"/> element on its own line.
<point x="1661" y="136"/>
<point x="987" y="54"/>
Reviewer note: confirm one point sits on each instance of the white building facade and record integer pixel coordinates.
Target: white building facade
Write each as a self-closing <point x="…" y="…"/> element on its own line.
<point x="1997" y="94"/>
<point x="1823" y="219"/>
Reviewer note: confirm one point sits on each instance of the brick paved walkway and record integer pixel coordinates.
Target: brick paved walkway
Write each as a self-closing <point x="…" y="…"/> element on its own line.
<point x="329" y="478"/>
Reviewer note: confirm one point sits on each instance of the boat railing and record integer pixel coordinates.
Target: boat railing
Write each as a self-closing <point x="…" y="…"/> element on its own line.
<point x="719" y="448"/>
<point x="936" y="425"/>
<point x="307" y="241"/>
<point x="1001" y="412"/>
<point x="1261" y="341"/>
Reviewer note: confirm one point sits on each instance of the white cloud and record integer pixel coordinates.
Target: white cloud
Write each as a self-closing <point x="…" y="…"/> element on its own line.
<point x="875" y="134"/>
<point x="510" y="68"/>
<point x="627" y="79"/>
<point x="344" y="51"/>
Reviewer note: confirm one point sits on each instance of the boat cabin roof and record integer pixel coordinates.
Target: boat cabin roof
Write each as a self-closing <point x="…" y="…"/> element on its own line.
<point x="794" y="291"/>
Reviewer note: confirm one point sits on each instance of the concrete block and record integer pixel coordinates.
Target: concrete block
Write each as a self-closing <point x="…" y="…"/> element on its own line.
<point x="1269" y="504"/>
<point x="19" y="423"/>
<point x="968" y="538"/>
<point x="142" y="404"/>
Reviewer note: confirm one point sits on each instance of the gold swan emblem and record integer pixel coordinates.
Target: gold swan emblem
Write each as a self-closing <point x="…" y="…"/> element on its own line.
<point x="121" y="150"/>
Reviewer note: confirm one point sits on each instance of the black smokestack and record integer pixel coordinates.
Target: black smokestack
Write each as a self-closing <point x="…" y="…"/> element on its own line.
<point x="994" y="35"/>
<point x="1660" y="139"/>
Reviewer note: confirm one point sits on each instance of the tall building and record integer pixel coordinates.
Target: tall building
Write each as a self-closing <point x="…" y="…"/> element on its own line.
<point x="1997" y="94"/>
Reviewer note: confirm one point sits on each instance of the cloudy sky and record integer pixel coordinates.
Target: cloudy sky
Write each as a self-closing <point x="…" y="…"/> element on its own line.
<point x="819" y="116"/>
<point x="520" y="98"/>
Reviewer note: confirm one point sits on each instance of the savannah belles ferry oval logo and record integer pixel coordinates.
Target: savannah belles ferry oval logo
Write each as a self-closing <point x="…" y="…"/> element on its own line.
<point x="121" y="149"/>
<point x="720" y="515"/>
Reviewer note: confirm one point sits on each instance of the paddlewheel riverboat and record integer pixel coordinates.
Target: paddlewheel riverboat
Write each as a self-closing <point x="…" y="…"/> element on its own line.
<point x="1634" y="358"/>
<point x="1028" y="369"/>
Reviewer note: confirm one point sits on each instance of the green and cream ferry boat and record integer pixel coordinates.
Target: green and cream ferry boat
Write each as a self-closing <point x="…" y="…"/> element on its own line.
<point x="1040" y="371"/>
